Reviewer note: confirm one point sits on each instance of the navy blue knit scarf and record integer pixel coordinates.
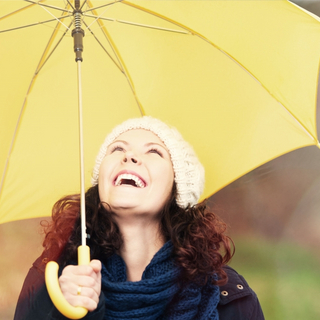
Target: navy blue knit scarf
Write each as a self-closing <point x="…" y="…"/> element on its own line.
<point x="157" y="295"/>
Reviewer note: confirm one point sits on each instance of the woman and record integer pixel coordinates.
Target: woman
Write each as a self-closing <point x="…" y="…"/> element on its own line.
<point x="156" y="253"/>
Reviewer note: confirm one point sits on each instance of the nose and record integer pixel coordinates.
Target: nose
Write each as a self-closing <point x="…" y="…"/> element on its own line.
<point x="130" y="157"/>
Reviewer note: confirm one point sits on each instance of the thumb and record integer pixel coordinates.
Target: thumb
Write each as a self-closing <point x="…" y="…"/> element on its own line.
<point x="95" y="265"/>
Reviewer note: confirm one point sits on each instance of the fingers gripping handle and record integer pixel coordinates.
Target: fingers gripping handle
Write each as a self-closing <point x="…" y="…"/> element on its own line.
<point x="56" y="295"/>
<point x="52" y="282"/>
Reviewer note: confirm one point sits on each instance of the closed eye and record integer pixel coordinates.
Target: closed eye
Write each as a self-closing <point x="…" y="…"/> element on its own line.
<point x="117" y="148"/>
<point x="154" y="150"/>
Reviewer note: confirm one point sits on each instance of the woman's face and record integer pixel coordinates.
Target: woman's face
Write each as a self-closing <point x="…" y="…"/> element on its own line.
<point x="136" y="176"/>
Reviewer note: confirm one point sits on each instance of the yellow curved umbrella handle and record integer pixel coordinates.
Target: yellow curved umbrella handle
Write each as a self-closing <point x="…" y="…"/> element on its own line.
<point x="55" y="293"/>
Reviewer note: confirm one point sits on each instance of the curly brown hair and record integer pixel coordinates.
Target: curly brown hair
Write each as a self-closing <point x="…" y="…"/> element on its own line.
<point x="201" y="246"/>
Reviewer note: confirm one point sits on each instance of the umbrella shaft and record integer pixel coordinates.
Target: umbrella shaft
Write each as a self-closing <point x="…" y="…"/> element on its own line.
<point x="82" y="178"/>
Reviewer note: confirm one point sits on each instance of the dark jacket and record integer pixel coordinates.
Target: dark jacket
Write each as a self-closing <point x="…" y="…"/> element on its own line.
<point x="237" y="299"/>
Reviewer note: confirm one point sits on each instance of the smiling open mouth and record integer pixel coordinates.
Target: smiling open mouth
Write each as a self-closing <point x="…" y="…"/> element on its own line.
<point x="129" y="179"/>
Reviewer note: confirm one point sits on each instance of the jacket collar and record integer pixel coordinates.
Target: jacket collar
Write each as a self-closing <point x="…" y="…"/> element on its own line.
<point x="235" y="288"/>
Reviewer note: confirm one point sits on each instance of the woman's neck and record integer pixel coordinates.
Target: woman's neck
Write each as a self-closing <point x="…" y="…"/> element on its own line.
<point x="140" y="243"/>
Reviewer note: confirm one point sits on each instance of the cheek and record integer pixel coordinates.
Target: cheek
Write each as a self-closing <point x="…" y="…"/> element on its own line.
<point x="103" y="186"/>
<point x="104" y="172"/>
<point x="167" y="177"/>
<point x="170" y="173"/>
<point x="101" y="174"/>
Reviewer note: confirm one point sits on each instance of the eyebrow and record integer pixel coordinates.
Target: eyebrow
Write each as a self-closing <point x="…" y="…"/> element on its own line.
<point x="116" y="141"/>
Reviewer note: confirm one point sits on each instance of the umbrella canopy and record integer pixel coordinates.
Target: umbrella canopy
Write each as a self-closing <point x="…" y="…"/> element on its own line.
<point x="237" y="78"/>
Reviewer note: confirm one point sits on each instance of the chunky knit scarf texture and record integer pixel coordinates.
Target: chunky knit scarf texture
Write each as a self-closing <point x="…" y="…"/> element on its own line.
<point x="157" y="295"/>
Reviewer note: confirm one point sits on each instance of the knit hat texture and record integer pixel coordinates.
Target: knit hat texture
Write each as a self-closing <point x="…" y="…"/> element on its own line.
<point x="188" y="171"/>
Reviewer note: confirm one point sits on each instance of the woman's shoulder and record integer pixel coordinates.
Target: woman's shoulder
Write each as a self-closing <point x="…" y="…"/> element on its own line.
<point x="237" y="300"/>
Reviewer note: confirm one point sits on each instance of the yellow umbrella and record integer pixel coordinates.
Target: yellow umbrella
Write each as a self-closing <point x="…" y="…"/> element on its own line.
<point x="237" y="78"/>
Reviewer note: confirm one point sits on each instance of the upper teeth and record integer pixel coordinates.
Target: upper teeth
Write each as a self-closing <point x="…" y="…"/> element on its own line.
<point x="126" y="176"/>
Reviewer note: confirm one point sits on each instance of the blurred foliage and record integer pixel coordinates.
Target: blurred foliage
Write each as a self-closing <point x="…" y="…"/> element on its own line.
<point x="285" y="277"/>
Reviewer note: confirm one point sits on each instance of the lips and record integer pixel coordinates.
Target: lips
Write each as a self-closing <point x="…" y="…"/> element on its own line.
<point x="129" y="179"/>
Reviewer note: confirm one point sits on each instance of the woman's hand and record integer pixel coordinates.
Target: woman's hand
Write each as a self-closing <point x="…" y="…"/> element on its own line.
<point x="81" y="285"/>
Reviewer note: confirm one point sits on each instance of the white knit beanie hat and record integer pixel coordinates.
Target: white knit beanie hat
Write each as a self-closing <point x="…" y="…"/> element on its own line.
<point x="188" y="171"/>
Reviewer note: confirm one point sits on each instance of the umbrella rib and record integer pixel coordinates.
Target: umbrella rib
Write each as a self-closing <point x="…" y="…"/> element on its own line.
<point x="96" y="17"/>
<point x="102" y="6"/>
<point x="193" y="32"/>
<point x="188" y="30"/>
<point x="108" y="38"/>
<point x="42" y="60"/>
<point x="106" y="51"/>
<point x="16" y="11"/>
<point x="34" y="24"/>
<point x="49" y="6"/>
<point x="317" y="143"/>
<point x="40" y="65"/>
<point x="70" y="4"/>
<point x="83" y="4"/>
<point x="15" y="133"/>
<point x="138" y="24"/>
<point x="39" y="22"/>
<point x="54" y="16"/>
<point x="120" y="61"/>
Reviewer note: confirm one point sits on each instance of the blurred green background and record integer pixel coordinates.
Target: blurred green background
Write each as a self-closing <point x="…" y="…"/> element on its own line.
<point x="273" y="217"/>
<point x="286" y="277"/>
